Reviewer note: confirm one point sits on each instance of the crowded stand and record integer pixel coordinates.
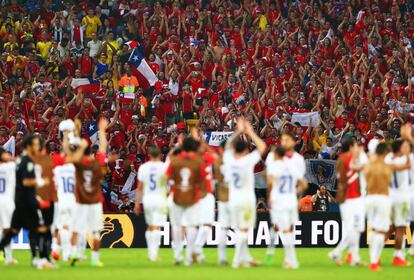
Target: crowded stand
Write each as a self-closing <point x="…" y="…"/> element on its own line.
<point x="319" y="69"/>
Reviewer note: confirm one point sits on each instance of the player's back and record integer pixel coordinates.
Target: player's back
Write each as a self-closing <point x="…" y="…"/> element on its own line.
<point x="186" y="174"/>
<point x="7" y="182"/>
<point x="348" y="176"/>
<point x="240" y="176"/>
<point x="400" y="181"/>
<point x="64" y="177"/>
<point x="152" y="175"/>
<point x="88" y="180"/>
<point x="378" y="176"/>
<point x="284" y="182"/>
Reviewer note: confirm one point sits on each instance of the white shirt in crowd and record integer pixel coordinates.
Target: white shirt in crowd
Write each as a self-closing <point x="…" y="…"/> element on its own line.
<point x="94" y="47"/>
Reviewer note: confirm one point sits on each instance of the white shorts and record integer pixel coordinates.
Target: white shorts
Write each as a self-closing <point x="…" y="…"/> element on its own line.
<point x="56" y="218"/>
<point x="87" y="218"/>
<point x="284" y="218"/>
<point x="378" y="209"/>
<point x="6" y="213"/>
<point x="185" y="216"/>
<point x="399" y="212"/>
<point x="243" y="215"/>
<point x="207" y="204"/>
<point x="353" y="214"/>
<point x="65" y="216"/>
<point x="224" y="214"/>
<point x="155" y="214"/>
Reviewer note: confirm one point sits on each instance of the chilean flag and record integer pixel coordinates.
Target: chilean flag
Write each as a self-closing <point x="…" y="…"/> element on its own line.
<point x="86" y="85"/>
<point x="93" y="132"/>
<point x="132" y="44"/>
<point x="142" y="70"/>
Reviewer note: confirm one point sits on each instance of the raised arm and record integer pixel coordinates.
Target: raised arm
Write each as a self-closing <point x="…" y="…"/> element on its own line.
<point x="260" y="144"/>
<point x="76" y="156"/>
<point x="103" y="142"/>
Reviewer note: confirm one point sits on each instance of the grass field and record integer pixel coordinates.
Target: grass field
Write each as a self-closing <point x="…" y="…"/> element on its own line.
<point x="124" y="264"/>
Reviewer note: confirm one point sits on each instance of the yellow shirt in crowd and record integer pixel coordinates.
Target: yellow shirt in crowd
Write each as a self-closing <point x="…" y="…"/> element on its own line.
<point x="318" y="141"/>
<point x="109" y="51"/>
<point x="92" y="27"/>
<point x="43" y="48"/>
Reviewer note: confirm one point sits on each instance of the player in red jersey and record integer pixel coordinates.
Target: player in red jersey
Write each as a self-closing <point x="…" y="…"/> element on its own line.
<point x="207" y="200"/>
<point x="351" y="206"/>
<point x="186" y="175"/>
<point x="88" y="193"/>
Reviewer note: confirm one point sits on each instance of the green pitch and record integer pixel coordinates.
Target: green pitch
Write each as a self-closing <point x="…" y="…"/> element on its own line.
<point x="124" y="264"/>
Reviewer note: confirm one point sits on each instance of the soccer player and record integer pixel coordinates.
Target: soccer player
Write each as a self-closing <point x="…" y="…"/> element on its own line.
<point x="351" y="205"/>
<point x="46" y="196"/>
<point x="26" y="213"/>
<point x="400" y="198"/>
<point x="286" y="180"/>
<point x="207" y="200"/>
<point x="239" y="165"/>
<point x="88" y="210"/>
<point x="7" y="192"/>
<point x="152" y="191"/>
<point x="64" y="177"/>
<point x="408" y="136"/>
<point x="186" y="174"/>
<point x="378" y="204"/>
<point x="224" y="214"/>
<point x="66" y="131"/>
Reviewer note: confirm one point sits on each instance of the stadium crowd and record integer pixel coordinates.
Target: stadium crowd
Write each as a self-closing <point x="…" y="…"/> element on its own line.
<point x="350" y="61"/>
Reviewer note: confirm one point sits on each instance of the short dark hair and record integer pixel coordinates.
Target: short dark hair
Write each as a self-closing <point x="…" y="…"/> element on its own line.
<point x="381" y="149"/>
<point x="176" y="151"/>
<point x="190" y="144"/>
<point x="88" y="151"/>
<point x="28" y="140"/>
<point x="240" y="145"/>
<point x="396" y="145"/>
<point x="42" y="143"/>
<point x="289" y="134"/>
<point x="347" y="143"/>
<point x="223" y="144"/>
<point x="280" y="151"/>
<point x="154" y="151"/>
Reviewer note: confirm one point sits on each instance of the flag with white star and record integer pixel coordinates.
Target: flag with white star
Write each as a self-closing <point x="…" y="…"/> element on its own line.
<point x="140" y="68"/>
<point x="93" y="132"/>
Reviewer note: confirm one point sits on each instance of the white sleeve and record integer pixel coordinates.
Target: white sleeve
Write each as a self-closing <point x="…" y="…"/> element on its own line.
<point x="227" y="156"/>
<point x="141" y="174"/>
<point x="270" y="168"/>
<point x="363" y="158"/>
<point x="301" y="167"/>
<point x="165" y="166"/>
<point x="388" y="159"/>
<point x="11" y="167"/>
<point x="269" y="159"/>
<point x="412" y="161"/>
<point x="253" y="158"/>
